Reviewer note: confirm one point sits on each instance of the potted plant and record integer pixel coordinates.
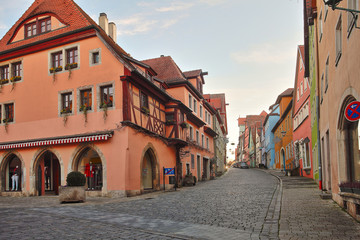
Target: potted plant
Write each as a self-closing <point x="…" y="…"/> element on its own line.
<point x="145" y="110"/>
<point x="84" y="109"/>
<point x="74" y="191"/>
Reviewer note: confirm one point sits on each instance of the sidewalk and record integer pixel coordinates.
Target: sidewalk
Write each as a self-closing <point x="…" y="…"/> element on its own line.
<point x="304" y="215"/>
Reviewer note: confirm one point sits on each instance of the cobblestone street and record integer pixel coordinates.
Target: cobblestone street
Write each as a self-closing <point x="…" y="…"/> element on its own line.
<point x="243" y="204"/>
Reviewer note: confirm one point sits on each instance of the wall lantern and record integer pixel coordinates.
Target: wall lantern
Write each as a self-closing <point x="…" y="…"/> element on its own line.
<point x="334" y="5"/>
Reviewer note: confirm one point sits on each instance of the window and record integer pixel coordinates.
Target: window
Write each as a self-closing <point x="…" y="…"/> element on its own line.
<point x="320" y="26"/>
<point x="66" y="102"/>
<point x="192" y="161"/>
<point x="190" y="101"/>
<point x="326" y="73"/>
<point x="38" y="27"/>
<point x="56" y="59"/>
<point x="191" y="133"/>
<point x="322" y="88"/>
<point x="86" y="99"/>
<point x="95" y="57"/>
<point x="206" y="116"/>
<point x="187" y="168"/>
<point x="301" y="89"/>
<point x="207" y="143"/>
<point x="9" y="112"/>
<point x="4" y="72"/>
<point x="201" y="111"/>
<point x="338" y="41"/>
<point x="305" y="84"/>
<point x="197" y="137"/>
<point x="107" y="97"/>
<point x="195" y="107"/>
<point x="144" y="102"/>
<point x="297" y="94"/>
<point x="202" y="140"/>
<point x="72" y="55"/>
<point x="30" y="29"/>
<point x="352" y="4"/>
<point x="16" y="69"/>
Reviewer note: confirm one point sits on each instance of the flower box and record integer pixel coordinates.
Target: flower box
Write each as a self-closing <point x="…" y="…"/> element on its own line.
<point x="71" y="66"/>
<point x="4" y="81"/>
<point x="15" y="79"/>
<point x="65" y="110"/>
<point x="58" y="69"/>
<point x="7" y="120"/>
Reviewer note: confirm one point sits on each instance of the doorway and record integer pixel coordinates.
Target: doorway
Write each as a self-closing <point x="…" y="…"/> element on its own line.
<point x="48" y="174"/>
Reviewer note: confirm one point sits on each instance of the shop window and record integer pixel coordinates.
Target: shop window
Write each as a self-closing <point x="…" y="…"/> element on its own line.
<point x="107" y="96"/>
<point x="13" y="174"/>
<point x="56" y="59"/>
<point x="9" y="112"/>
<point x="90" y="164"/>
<point x="66" y="102"/>
<point x="86" y="99"/>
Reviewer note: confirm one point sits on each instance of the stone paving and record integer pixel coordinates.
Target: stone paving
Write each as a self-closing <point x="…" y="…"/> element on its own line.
<point x="304" y="215"/>
<point x="234" y="206"/>
<point x="243" y="204"/>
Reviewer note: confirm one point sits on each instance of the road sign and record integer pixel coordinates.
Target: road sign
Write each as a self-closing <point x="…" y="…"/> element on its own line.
<point x="352" y="111"/>
<point x="169" y="171"/>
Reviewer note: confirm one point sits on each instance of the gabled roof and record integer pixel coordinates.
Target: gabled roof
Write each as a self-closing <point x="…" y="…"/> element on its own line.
<point x="195" y="74"/>
<point x="287" y="93"/>
<point x="241" y="121"/>
<point x="166" y="69"/>
<point x="66" y="11"/>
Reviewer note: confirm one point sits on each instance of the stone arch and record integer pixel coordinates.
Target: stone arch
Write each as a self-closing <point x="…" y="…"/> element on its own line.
<point x="78" y="153"/>
<point x="5" y="160"/>
<point x="150" y="151"/>
<point x="34" y="167"/>
<point x="348" y="144"/>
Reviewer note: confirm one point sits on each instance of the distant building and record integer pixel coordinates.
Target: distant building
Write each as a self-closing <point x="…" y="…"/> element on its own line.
<point x="269" y="145"/>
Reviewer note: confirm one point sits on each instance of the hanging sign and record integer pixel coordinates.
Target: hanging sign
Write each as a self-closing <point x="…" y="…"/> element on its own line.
<point x="352" y="111"/>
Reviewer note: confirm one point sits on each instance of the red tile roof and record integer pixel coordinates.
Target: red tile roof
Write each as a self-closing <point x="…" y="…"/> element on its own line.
<point x="193" y="73"/>
<point x="166" y="68"/>
<point x="241" y="121"/>
<point x="67" y="11"/>
<point x="287" y="93"/>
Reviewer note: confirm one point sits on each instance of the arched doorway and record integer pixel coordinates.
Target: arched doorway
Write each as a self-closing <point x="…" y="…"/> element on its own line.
<point x="89" y="163"/>
<point x="283" y="159"/>
<point x="149" y="171"/>
<point x="11" y="174"/>
<point x="47" y="174"/>
<point x="349" y="145"/>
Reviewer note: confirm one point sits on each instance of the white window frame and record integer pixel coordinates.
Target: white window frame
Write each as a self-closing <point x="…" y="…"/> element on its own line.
<point x="91" y="62"/>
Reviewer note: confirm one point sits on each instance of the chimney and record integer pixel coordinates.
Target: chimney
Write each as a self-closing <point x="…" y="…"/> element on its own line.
<point x="112" y="31"/>
<point x="104" y="22"/>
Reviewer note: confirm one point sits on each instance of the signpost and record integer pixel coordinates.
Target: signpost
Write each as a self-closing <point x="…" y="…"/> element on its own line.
<point x="352" y="111"/>
<point x="168" y="171"/>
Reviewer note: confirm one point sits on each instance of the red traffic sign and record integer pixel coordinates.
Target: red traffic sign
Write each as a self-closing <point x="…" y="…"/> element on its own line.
<point x="352" y="111"/>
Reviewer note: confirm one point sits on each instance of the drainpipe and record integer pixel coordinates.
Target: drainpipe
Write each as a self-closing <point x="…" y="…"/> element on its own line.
<point x="318" y="140"/>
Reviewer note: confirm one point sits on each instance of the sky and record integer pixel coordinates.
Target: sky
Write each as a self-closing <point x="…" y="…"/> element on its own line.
<point x="247" y="47"/>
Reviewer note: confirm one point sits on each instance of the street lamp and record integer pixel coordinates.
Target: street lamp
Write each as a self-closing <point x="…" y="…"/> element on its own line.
<point x="333" y="4"/>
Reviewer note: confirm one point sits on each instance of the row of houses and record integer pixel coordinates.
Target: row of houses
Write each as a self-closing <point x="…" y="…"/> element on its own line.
<point x="73" y="100"/>
<point x="312" y="129"/>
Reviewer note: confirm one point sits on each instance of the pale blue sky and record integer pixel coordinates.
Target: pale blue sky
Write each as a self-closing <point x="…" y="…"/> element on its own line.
<point x="248" y="47"/>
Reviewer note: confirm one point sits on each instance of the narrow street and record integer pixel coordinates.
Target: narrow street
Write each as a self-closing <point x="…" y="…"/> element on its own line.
<point x="243" y="204"/>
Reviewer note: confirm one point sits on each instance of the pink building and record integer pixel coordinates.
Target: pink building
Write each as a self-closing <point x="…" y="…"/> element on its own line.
<point x="73" y="100"/>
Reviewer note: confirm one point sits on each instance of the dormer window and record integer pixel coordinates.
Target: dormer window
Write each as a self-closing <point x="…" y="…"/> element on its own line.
<point x="38" y="27"/>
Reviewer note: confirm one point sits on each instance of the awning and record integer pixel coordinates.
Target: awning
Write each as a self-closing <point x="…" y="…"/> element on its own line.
<point x="100" y="136"/>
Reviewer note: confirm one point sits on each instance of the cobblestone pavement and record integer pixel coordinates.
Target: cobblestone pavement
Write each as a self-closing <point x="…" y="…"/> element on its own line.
<point x="304" y="215"/>
<point x="243" y="204"/>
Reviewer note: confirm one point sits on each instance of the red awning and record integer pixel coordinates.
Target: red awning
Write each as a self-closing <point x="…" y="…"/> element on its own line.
<point x="57" y="141"/>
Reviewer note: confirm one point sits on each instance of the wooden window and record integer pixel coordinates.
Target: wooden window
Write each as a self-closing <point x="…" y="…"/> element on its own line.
<point x="72" y="55"/>
<point x="144" y="102"/>
<point x="45" y="25"/>
<point x="9" y="112"/>
<point x="95" y="57"/>
<point x="197" y="137"/>
<point x="107" y="96"/>
<point x="66" y="102"/>
<point x="56" y="59"/>
<point x="86" y="99"/>
<point x="30" y="29"/>
<point x="4" y="72"/>
<point x="201" y="111"/>
<point x="16" y="69"/>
